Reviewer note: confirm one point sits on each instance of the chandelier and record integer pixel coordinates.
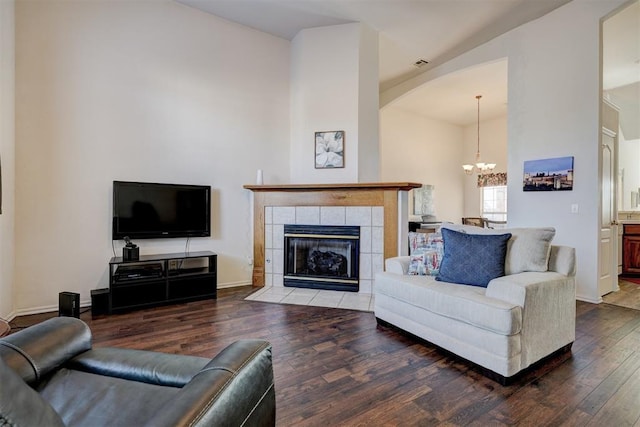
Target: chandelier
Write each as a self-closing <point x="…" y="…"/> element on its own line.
<point x="479" y="165"/>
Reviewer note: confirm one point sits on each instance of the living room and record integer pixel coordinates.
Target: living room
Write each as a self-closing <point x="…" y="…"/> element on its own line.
<point x="159" y="91"/>
<point x="118" y="95"/>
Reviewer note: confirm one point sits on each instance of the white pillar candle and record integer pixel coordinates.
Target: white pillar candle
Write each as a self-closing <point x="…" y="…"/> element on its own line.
<point x="259" y="179"/>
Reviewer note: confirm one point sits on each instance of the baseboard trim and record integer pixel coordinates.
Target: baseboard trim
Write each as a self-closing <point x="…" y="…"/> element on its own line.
<point x="233" y="284"/>
<point x="87" y="303"/>
<point x="599" y="300"/>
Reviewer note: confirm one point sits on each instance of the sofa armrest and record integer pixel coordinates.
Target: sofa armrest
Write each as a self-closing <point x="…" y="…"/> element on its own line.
<point x="234" y="388"/>
<point x="42" y="348"/>
<point x="548" y="301"/>
<point x="397" y="265"/>
<point x="562" y="259"/>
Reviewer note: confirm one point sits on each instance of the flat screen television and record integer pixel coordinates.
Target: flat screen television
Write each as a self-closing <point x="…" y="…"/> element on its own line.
<point x="144" y="210"/>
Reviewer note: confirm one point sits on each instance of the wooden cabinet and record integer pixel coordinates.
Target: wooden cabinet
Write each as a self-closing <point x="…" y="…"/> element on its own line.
<point x="631" y="249"/>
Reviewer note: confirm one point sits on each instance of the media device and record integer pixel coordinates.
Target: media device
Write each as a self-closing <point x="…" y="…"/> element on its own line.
<point x="131" y="251"/>
<point x="99" y="301"/>
<point x="138" y="271"/>
<point x="144" y="210"/>
<point x="69" y="304"/>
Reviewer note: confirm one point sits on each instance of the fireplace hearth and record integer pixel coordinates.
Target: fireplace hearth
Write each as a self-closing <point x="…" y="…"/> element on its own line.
<point x="322" y="257"/>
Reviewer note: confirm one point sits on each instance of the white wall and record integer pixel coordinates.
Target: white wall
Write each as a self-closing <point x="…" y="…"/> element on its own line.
<point x="419" y="149"/>
<point x="554" y="100"/>
<point x="368" y="110"/>
<point x="493" y="149"/>
<point x="7" y="154"/>
<point x="148" y="91"/>
<point x="629" y="161"/>
<point x="554" y="112"/>
<point x="334" y="78"/>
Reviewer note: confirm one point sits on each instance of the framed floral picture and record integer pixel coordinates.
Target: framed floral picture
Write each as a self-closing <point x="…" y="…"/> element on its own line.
<point x="330" y="149"/>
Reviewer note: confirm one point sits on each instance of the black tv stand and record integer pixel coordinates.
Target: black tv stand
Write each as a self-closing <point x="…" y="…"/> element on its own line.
<point x="161" y="279"/>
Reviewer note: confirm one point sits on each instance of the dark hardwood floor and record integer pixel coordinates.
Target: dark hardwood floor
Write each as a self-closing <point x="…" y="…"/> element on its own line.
<point x="337" y="367"/>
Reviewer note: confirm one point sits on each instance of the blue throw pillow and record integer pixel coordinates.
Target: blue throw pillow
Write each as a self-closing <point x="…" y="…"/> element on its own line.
<point x="472" y="259"/>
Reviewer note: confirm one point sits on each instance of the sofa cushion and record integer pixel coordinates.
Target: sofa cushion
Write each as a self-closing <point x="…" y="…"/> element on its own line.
<point x="472" y="259"/>
<point x="528" y="249"/>
<point x="467" y="304"/>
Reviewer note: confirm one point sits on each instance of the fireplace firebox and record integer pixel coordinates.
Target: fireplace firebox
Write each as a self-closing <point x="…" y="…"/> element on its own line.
<point x="322" y="257"/>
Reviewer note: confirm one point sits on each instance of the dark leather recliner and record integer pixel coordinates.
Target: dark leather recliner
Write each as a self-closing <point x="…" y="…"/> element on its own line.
<point x="51" y="376"/>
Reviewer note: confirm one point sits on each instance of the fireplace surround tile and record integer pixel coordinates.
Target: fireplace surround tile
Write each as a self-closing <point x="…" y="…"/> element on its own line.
<point x="278" y="280"/>
<point x="284" y="215"/>
<point x="366" y="286"/>
<point x="268" y="265"/>
<point x="333" y="215"/>
<point x="278" y="261"/>
<point x="278" y="236"/>
<point x="308" y="215"/>
<point x="358" y="215"/>
<point x="377" y="216"/>
<point x="365" y="266"/>
<point x="377" y="263"/>
<point x="268" y="236"/>
<point x="377" y="240"/>
<point x="268" y="215"/>
<point x="365" y="240"/>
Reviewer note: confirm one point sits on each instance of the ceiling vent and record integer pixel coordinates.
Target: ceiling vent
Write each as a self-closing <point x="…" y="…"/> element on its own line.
<point x="420" y="63"/>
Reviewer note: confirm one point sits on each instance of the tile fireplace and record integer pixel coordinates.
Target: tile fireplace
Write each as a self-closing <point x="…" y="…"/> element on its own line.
<point x="380" y="209"/>
<point x="322" y="257"/>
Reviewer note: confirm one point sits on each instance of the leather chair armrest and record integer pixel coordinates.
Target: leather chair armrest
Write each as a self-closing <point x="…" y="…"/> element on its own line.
<point x="138" y="365"/>
<point x="234" y="388"/>
<point x="20" y="405"/>
<point x="42" y="348"/>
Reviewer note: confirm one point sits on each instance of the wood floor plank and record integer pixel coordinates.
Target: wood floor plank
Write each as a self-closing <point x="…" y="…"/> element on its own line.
<point x="622" y="409"/>
<point x="337" y="367"/>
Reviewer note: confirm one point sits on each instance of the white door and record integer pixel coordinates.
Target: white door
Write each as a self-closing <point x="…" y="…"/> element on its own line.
<point x="608" y="262"/>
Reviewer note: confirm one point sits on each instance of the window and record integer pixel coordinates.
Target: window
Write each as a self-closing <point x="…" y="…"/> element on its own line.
<point x="494" y="203"/>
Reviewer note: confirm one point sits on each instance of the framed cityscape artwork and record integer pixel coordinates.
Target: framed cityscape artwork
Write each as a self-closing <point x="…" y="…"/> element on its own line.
<point x="554" y="174"/>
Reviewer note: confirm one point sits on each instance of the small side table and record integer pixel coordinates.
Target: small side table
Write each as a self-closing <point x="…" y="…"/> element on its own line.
<point x="4" y="328"/>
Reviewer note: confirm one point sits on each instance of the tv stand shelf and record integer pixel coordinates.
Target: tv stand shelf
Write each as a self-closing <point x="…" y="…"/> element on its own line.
<point x="161" y="279"/>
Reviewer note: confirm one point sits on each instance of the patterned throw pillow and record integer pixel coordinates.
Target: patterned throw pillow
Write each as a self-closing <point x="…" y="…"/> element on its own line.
<point x="427" y="251"/>
<point x="417" y="266"/>
<point x="417" y="242"/>
<point x="472" y="259"/>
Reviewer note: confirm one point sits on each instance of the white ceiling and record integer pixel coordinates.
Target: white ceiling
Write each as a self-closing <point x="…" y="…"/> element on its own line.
<point x="621" y="48"/>
<point x="434" y="30"/>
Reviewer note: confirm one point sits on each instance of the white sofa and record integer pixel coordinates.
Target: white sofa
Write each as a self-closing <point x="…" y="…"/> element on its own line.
<point x="514" y="322"/>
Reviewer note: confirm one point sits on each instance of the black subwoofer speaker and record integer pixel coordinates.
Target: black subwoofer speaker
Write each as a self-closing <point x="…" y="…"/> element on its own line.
<point x="69" y="304"/>
<point x="99" y="301"/>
